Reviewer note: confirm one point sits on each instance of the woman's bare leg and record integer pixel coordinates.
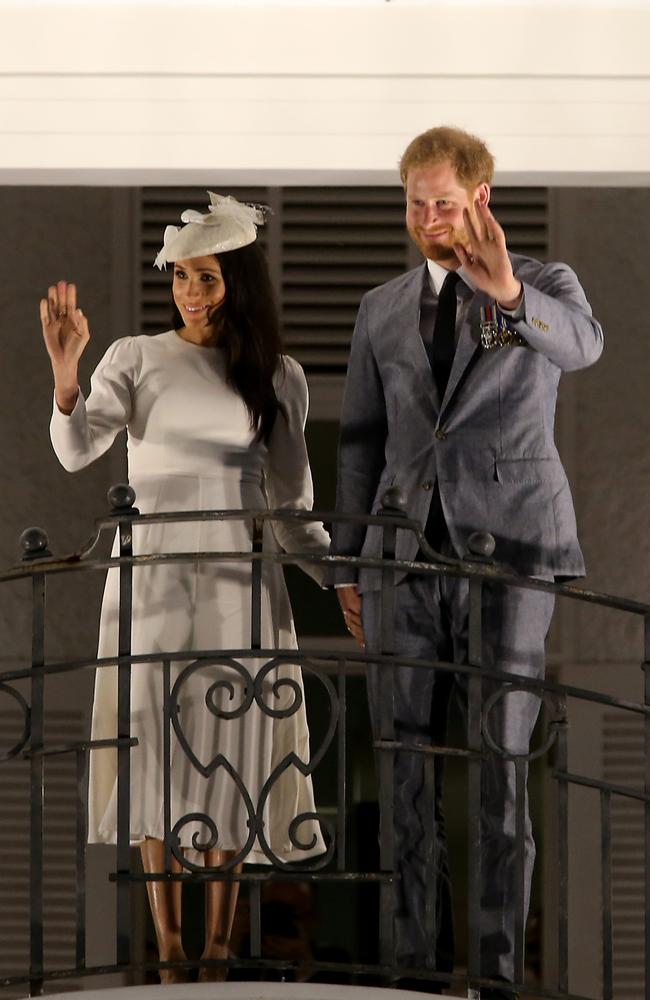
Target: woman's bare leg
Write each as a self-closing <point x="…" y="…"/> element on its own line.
<point x="220" y="904"/>
<point x="165" y="903"/>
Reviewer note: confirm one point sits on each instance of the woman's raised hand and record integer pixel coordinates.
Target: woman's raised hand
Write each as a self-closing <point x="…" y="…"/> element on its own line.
<point x="65" y="332"/>
<point x="65" y="328"/>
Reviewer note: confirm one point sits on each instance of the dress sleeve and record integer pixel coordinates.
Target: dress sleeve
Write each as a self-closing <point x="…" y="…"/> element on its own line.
<point x="288" y="476"/>
<point x="86" y="433"/>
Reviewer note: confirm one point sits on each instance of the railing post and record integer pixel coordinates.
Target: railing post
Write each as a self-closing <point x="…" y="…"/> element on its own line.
<point x="480" y="546"/>
<point x="561" y="767"/>
<point x="82" y="834"/>
<point x="341" y="763"/>
<point x="256" y="584"/>
<point x="393" y="505"/>
<point x="122" y="498"/>
<point x="34" y="544"/>
<point x="521" y="773"/>
<point x="167" y="764"/>
<point x="646" y="808"/>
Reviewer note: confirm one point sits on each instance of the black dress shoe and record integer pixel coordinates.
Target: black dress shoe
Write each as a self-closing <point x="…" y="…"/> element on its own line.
<point x="497" y="993"/>
<point x="419" y="986"/>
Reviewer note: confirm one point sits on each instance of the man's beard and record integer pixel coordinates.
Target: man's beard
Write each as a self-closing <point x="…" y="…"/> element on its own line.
<point x="441" y="252"/>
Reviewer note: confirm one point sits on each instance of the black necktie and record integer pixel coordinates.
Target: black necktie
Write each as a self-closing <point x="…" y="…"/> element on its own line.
<point x="443" y="346"/>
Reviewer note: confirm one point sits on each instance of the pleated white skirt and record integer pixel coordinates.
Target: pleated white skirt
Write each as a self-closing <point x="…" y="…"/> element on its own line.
<point x="220" y="761"/>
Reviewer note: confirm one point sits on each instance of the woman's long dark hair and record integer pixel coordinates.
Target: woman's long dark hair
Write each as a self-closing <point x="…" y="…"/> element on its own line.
<point x="248" y="332"/>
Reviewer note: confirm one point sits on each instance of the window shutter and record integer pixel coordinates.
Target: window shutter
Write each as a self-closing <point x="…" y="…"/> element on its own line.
<point x="327" y="246"/>
<point x="623" y="749"/>
<point x="62" y="727"/>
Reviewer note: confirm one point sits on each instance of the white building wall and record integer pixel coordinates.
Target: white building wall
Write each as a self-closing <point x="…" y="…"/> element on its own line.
<point x="98" y="92"/>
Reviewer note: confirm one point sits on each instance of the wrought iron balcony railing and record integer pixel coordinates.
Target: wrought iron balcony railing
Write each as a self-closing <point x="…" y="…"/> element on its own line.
<point x="264" y="687"/>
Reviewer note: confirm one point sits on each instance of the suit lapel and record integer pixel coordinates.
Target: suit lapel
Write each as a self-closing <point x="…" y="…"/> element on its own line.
<point x="407" y="322"/>
<point x="468" y="345"/>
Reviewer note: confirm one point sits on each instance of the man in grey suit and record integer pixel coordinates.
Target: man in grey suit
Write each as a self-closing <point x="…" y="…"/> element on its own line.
<point x="460" y="415"/>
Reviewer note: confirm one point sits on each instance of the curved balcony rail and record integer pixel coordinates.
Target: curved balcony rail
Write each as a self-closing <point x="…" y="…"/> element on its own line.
<point x="265" y="687"/>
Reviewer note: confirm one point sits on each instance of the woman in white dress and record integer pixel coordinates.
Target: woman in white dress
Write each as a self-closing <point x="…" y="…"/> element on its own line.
<point x="215" y="419"/>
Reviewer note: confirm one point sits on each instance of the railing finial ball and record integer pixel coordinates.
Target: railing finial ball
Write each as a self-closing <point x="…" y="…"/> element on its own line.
<point x="121" y="496"/>
<point x="481" y="544"/>
<point x="393" y="501"/>
<point x="34" y="544"/>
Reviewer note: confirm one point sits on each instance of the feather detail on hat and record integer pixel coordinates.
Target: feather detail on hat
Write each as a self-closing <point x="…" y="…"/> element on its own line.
<point x="227" y="225"/>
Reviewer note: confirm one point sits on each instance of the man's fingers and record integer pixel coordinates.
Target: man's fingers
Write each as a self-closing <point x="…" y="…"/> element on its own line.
<point x="472" y="231"/>
<point x="462" y="255"/>
<point x="484" y="217"/>
<point x="493" y="231"/>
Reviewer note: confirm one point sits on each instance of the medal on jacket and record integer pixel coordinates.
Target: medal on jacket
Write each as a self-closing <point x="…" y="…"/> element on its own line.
<point x="495" y="331"/>
<point x="489" y="327"/>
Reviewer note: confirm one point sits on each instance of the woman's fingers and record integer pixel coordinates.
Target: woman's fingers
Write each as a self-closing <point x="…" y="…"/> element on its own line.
<point x="81" y="324"/>
<point x="45" y="312"/>
<point x="65" y="328"/>
<point x="71" y="299"/>
<point x="354" y="625"/>
<point x="61" y="303"/>
<point x="61" y="295"/>
<point x="52" y="302"/>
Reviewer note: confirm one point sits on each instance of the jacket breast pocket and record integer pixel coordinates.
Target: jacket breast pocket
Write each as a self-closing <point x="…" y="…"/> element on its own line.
<point x="513" y="471"/>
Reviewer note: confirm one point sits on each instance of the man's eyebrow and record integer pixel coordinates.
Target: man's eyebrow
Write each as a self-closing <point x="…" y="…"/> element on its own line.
<point x="436" y="197"/>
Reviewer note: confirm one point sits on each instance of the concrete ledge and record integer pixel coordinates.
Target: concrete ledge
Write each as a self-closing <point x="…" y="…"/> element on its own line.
<point x="245" y="991"/>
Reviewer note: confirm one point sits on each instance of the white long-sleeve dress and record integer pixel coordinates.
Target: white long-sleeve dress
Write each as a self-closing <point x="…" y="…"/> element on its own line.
<point x="191" y="447"/>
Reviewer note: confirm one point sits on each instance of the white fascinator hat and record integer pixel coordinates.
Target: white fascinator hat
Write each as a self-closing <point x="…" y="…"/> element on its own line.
<point x="227" y="225"/>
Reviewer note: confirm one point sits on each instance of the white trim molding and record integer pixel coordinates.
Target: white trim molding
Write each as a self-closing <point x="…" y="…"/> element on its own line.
<point x="104" y="93"/>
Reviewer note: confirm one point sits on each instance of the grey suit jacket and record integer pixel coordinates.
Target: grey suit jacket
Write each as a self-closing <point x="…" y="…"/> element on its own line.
<point x="489" y="442"/>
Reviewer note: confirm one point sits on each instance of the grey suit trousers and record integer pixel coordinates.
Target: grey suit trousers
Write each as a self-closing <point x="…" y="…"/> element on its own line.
<point x="431" y="622"/>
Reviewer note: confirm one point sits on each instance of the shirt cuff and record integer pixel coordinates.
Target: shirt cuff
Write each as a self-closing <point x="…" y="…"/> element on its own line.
<point x="516" y="314"/>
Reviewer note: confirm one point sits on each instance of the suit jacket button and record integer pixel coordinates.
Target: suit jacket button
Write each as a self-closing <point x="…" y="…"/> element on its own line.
<point x="427" y="484"/>
<point x="441" y="435"/>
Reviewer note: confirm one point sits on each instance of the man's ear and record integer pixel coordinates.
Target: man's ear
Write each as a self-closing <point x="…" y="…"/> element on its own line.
<point x="482" y="194"/>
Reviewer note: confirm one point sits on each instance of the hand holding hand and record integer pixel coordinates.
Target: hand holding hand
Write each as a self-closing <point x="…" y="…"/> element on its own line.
<point x="486" y="259"/>
<point x="350" y="602"/>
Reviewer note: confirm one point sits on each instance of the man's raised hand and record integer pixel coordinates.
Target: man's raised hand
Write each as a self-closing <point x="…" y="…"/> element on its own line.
<point x="485" y="259"/>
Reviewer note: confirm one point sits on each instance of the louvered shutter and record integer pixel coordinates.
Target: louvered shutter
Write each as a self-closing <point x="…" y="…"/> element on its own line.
<point x="60" y="885"/>
<point x="326" y="246"/>
<point x="523" y="213"/>
<point x="623" y="750"/>
<point x="336" y="244"/>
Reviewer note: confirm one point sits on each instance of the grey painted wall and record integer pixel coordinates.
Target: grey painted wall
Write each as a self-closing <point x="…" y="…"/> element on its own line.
<point x="605" y="236"/>
<point x="79" y="234"/>
<point x="46" y="234"/>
